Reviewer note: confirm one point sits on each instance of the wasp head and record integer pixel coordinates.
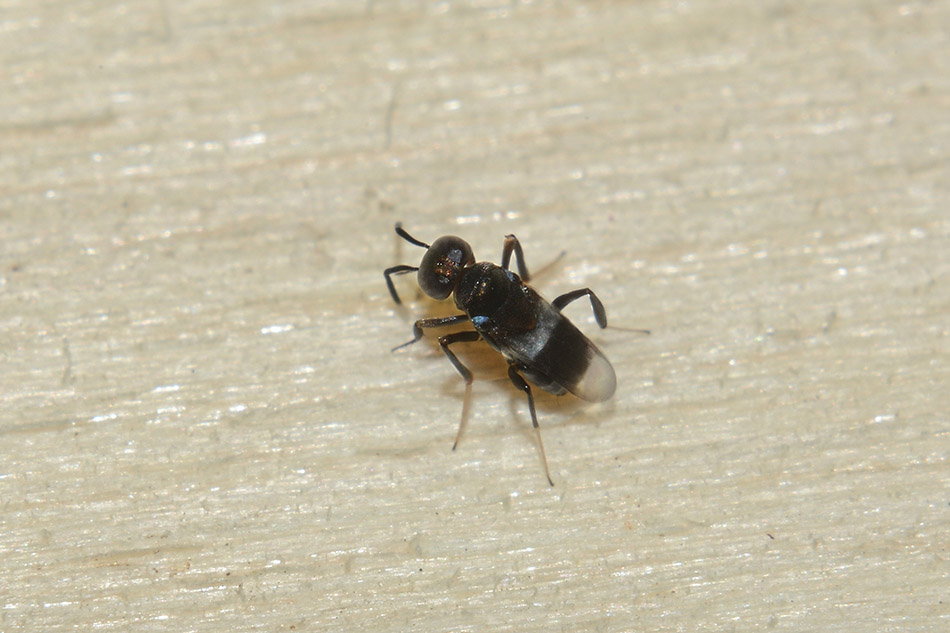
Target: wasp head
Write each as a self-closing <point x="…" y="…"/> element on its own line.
<point x="442" y="266"/>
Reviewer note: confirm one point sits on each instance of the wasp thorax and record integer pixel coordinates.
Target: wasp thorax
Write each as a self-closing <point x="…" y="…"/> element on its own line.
<point x="442" y="266"/>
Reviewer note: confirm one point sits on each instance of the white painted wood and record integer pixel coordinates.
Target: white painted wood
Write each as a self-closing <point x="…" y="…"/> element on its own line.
<point x="202" y="426"/>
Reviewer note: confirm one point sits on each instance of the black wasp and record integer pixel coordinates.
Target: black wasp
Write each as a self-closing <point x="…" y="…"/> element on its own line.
<point x="538" y="342"/>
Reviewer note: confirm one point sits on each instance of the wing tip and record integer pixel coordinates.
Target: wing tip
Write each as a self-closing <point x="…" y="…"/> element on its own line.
<point x="599" y="382"/>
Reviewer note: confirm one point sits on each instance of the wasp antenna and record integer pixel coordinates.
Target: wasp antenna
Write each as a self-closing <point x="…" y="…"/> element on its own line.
<point x="401" y="232"/>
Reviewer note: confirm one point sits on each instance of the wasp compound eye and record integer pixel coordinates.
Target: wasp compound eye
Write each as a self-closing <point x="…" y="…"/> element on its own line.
<point x="442" y="266"/>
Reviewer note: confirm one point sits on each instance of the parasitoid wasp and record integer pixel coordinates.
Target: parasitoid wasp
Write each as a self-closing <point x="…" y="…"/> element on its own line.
<point x="539" y="343"/>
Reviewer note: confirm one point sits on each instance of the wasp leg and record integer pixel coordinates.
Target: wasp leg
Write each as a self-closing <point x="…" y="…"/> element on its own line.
<point x="512" y="244"/>
<point x="418" y="326"/>
<point x="521" y="384"/>
<point x="396" y="270"/>
<point x="599" y="313"/>
<point x="445" y="341"/>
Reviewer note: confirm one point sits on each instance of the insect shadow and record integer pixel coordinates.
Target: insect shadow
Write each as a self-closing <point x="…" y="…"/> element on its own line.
<point x="540" y="345"/>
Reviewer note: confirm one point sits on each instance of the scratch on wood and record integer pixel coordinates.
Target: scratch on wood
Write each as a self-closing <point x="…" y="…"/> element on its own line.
<point x="68" y="370"/>
<point x="390" y="113"/>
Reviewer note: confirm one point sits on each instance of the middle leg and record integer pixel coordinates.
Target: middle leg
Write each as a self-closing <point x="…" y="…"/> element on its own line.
<point x="445" y="341"/>
<point x="512" y="244"/>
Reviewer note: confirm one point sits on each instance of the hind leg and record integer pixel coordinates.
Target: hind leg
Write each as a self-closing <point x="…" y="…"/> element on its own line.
<point x="523" y="385"/>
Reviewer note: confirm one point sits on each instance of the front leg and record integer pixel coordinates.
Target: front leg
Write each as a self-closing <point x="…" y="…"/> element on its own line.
<point x="397" y="270"/>
<point x="419" y="325"/>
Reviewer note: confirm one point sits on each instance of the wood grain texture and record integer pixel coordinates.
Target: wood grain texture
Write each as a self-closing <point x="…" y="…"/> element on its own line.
<point x="203" y="428"/>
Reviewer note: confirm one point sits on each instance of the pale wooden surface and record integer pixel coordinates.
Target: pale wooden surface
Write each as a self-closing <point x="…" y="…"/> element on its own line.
<point x="203" y="428"/>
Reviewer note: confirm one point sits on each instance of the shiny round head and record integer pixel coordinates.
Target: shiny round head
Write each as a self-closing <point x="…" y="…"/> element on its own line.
<point x="442" y="265"/>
